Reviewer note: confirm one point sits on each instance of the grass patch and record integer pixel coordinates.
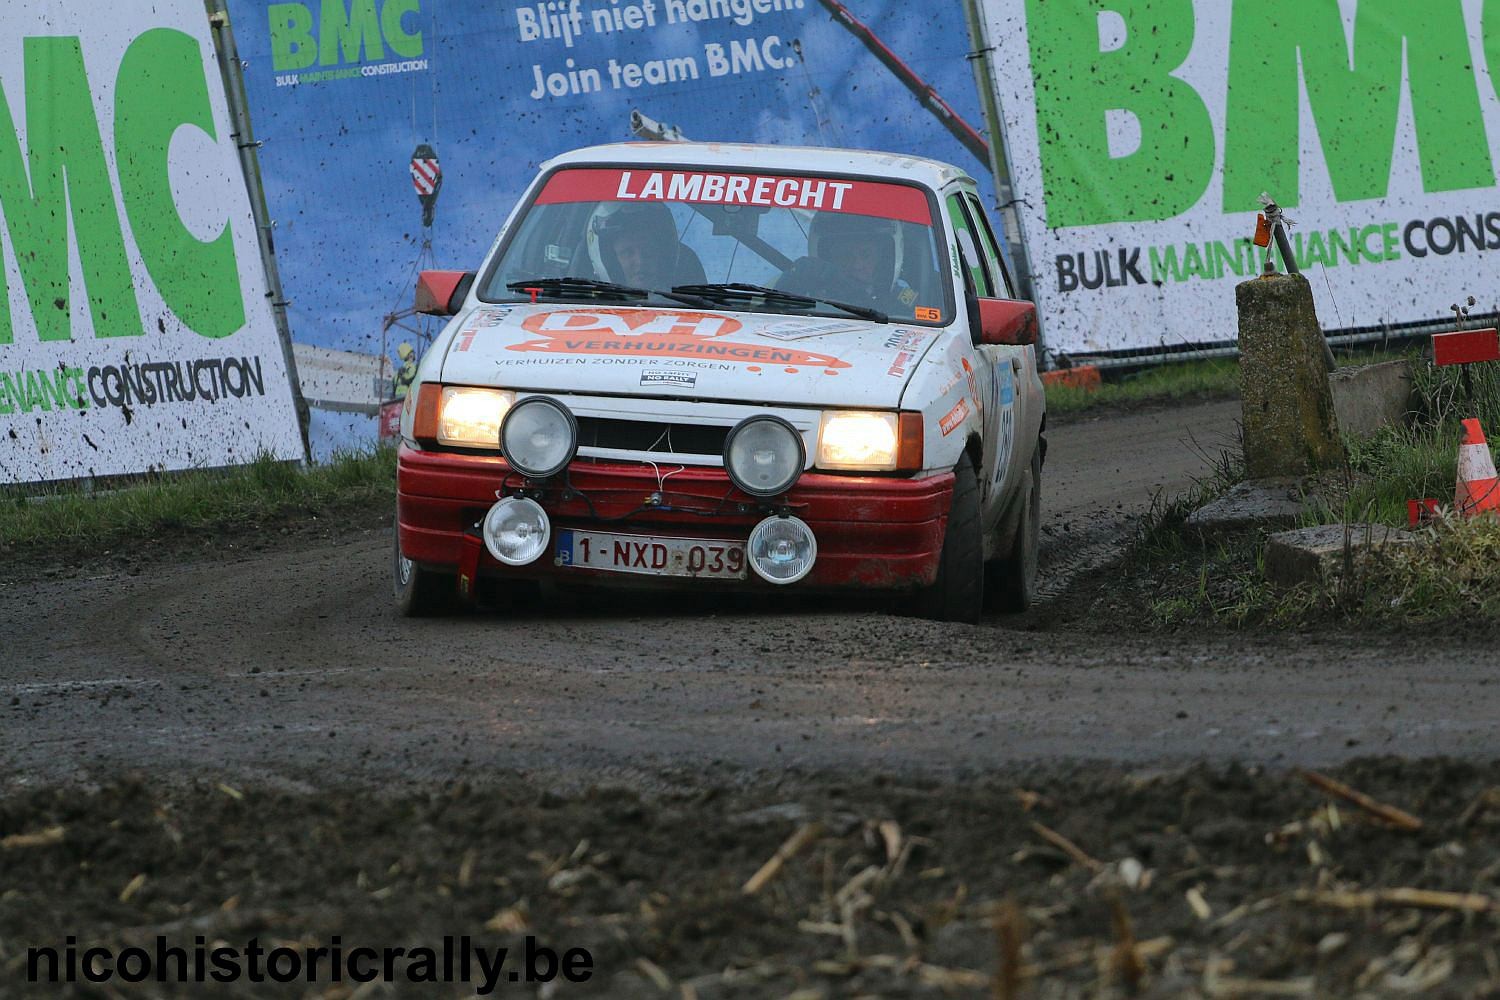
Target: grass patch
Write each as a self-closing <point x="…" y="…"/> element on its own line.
<point x="193" y="502"/>
<point x="1212" y="378"/>
<point x="1449" y="576"/>
<point x="1401" y="464"/>
<point x="1183" y="381"/>
<point x="1179" y="580"/>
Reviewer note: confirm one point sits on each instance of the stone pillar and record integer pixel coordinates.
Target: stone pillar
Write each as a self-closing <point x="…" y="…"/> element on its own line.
<point x="1289" y="423"/>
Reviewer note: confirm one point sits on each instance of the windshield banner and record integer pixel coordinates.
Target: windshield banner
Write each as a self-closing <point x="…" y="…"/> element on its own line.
<point x="1142" y="135"/>
<point x="379" y="117"/>
<point x="872" y="198"/>
<point x="137" y="334"/>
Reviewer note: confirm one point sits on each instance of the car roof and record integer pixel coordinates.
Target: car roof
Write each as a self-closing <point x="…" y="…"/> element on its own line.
<point x="815" y="159"/>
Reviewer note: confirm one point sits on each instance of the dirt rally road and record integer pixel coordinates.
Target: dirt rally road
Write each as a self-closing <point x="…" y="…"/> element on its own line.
<point x="286" y="667"/>
<point x="248" y="746"/>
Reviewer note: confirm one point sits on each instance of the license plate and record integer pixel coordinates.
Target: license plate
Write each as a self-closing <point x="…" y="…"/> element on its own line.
<point x="703" y="558"/>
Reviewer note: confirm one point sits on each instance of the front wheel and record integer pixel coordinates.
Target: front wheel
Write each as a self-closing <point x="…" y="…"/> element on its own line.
<point x="419" y="592"/>
<point x="957" y="595"/>
<point x="1013" y="578"/>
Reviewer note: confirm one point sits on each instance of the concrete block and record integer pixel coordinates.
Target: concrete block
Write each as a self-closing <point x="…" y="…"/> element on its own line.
<point x="1367" y="398"/>
<point x="1316" y="555"/>
<point x="1289" y="423"/>
<point x="1260" y="503"/>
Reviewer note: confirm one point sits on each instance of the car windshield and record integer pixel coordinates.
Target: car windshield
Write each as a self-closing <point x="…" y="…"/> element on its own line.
<point x="782" y="243"/>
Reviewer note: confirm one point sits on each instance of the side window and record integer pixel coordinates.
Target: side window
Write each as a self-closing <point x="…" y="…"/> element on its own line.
<point x="968" y="246"/>
<point x="1003" y="284"/>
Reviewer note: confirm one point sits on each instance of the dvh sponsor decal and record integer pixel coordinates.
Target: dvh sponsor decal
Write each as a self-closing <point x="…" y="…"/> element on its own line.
<point x="656" y="333"/>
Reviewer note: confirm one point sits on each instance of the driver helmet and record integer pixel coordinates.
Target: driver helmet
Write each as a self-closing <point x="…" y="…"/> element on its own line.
<point x="856" y="241"/>
<point x="652" y="224"/>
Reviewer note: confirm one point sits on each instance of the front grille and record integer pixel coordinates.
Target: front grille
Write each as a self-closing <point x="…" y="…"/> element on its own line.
<point x="651" y="436"/>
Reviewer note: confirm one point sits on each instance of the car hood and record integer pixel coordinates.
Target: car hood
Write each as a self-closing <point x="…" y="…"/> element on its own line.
<point x="686" y="353"/>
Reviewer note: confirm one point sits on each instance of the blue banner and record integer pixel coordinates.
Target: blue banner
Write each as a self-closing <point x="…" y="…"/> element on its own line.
<point x="398" y="134"/>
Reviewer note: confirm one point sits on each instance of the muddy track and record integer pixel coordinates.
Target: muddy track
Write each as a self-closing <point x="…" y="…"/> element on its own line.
<point x="267" y="754"/>
<point x="287" y="665"/>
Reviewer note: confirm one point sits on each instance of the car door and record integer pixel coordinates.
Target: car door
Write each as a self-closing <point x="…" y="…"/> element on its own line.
<point x="991" y="387"/>
<point x="1017" y="384"/>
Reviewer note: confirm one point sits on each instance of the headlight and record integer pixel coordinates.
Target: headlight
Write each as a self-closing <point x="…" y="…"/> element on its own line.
<point x="539" y="437"/>
<point x="764" y="456"/>
<point x="516" y="531"/>
<point x="782" y="549"/>
<point x="858" y="440"/>
<point x="471" y="417"/>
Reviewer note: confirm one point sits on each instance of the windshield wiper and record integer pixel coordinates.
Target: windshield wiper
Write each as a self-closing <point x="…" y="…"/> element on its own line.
<point x="742" y="292"/>
<point x="598" y="289"/>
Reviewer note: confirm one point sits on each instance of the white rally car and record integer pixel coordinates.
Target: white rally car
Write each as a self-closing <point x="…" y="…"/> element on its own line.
<point x="729" y="366"/>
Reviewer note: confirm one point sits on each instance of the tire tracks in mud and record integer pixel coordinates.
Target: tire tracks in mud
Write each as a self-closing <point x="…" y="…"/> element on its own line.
<point x="1103" y="473"/>
<point x="1066" y="561"/>
<point x="290" y="662"/>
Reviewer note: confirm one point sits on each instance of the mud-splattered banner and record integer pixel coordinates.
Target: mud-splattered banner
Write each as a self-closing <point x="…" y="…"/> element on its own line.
<point x="349" y="94"/>
<point x="1142" y="134"/>
<point x="136" y="333"/>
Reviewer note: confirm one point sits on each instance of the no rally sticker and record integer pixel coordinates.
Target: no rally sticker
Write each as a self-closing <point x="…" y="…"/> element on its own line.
<point x="854" y="197"/>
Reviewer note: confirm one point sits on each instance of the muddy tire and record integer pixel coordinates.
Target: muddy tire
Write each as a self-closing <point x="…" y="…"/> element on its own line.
<point x="1012" y="579"/>
<point x="420" y="593"/>
<point x="958" y="593"/>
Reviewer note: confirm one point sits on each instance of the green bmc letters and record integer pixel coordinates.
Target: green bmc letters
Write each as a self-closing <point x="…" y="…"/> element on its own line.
<point x="347" y="32"/>
<point x="1354" y="95"/>
<point x="64" y="175"/>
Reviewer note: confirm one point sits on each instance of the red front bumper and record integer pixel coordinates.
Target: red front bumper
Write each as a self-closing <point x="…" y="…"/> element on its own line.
<point x="871" y="531"/>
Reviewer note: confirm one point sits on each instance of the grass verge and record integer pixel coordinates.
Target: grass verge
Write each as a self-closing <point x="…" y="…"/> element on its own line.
<point x="71" y="518"/>
<point x="1176" y="580"/>
<point x="1212" y="378"/>
<point x="1180" y="382"/>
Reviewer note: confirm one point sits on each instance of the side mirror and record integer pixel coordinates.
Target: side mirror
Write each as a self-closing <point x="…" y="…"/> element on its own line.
<point x="442" y="293"/>
<point x="1007" y="321"/>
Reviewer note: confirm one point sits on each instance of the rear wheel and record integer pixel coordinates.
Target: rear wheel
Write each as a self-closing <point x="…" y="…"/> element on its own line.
<point x="957" y="595"/>
<point x="1012" y="579"/>
<point x="419" y="592"/>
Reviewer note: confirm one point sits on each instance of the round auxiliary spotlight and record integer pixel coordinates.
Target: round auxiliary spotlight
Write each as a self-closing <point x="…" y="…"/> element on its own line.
<point x="516" y="531"/>
<point x="764" y="455"/>
<point x="538" y="437"/>
<point x="782" y="550"/>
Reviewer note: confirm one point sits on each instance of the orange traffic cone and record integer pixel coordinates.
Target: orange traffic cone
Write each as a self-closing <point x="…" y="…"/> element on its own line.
<point x="1478" y="485"/>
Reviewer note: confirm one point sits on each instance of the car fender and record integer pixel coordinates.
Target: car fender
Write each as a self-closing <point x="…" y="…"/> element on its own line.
<point x="429" y="369"/>
<point x="950" y="390"/>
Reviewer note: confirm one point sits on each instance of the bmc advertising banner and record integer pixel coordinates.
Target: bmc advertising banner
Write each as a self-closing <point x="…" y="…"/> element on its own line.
<point x="137" y="334"/>
<point x="1142" y="133"/>
<point x="399" y="133"/>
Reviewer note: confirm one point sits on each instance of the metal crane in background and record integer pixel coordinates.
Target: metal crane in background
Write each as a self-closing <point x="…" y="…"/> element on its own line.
<point x="992" y="156"/>
<point x="924" y="91"/>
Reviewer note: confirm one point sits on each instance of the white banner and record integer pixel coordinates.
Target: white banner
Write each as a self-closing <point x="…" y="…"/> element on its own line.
<point x="138" y="334"/>
<point x="1141" y="136"/>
